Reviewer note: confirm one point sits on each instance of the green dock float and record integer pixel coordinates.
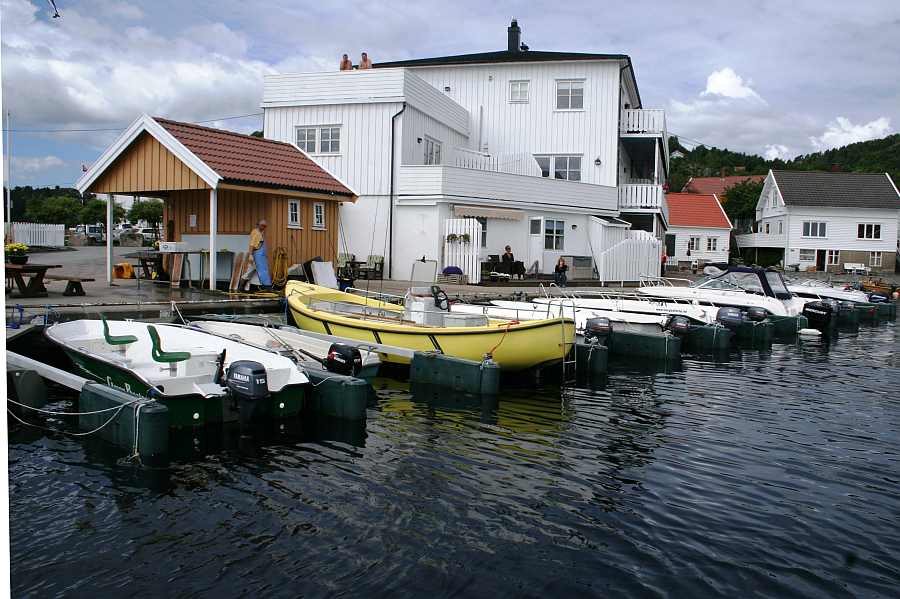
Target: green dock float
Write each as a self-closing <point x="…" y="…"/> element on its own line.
<point x="709" y="338"/>
<point x="592" y="358"/>
<point x="25" y="387"/>
<point x="755" y="334"/>
<point x="848" y="319"/>
<point x="787" y="326"/>
<point x="645" y="345"/>
<point x="128" y="421"/>
<point x="465" y="376"/>
<point x="867" y="311"/>
<point x="887" y="310"/>
<point x="336" y="395"/>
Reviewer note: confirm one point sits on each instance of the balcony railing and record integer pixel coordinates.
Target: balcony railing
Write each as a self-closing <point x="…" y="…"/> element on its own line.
<point x="760" y="240"/>
<point x="639" y="121"/>
<point x="643" y="198"/>
<point x="513" y="164"/>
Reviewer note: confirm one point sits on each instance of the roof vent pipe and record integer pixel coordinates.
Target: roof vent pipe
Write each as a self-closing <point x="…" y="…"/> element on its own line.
<point x="514" y="37"/>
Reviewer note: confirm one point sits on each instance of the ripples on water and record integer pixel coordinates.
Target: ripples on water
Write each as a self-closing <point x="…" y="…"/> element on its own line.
<point x="775" y="472"/>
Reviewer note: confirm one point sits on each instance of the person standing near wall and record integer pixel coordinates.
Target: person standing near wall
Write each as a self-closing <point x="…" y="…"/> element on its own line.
<point x="258" y="252"/>
<point x="663" y="261"/>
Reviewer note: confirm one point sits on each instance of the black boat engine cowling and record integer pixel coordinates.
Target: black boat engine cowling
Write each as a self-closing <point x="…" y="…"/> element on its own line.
<point x="597" y="329"/>
<point x="730" y="317"/>
<point x="343" y="359"/>
<point x="757" y="314"/>
<point x="819" y="314"/>
<point x="248" y="383"/>
<point x="679" y="325"/>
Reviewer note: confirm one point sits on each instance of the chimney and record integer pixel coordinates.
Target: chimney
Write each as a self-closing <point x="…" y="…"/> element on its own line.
<point x="835" y="168"/>
<point x="514" y="37"/>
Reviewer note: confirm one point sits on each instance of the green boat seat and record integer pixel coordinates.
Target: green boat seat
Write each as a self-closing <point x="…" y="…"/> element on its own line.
<point x="116" y="339"/>
<point x="159" y="355"/>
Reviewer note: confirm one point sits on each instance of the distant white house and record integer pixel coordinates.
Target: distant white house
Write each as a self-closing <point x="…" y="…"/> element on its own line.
<point x="828" y="220"/>
<point x="699" y="230"/>
<point x="547" y="152"/>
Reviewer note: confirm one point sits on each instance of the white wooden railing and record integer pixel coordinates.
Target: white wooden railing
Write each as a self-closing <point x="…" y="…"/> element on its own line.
<point x="636" y="256"/>
<point x="513" y="164"/>
<point x="463" y="254"/>
<point x="643" y="198"/>
<point x="36" y="234"/>
<point x="643" y="121"/>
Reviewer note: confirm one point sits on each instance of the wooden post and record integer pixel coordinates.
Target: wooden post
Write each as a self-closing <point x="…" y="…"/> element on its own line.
<point x="110" y="198"/>
<point x="213" y="226"/>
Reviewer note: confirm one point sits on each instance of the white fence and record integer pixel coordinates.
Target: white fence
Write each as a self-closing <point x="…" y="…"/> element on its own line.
<point x="36" y="234"/>
<point x="513" y="164"/>
<point x="625" y="257"/>
<point x="643" y="121"/>
<point x="462" y="254"/>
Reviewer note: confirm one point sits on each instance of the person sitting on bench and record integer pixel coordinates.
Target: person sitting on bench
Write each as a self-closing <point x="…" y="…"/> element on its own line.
<point x="510" y="265"/>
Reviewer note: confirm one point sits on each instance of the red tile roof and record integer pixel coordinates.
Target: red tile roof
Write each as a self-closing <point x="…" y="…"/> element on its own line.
<point x="696" y="210"/>
<point x="244" y="159"/>
<point x="717" y="185"/>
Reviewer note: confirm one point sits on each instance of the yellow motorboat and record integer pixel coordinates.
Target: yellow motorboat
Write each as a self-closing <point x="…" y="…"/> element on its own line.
<point x="425" y="323"/>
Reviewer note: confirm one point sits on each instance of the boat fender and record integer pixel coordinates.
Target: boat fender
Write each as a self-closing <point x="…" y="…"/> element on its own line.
<point x="343" y="359"/>
<point x="757" y="314"/>
<point x="597" y="329"/>
<point x="441" y="301"/>
<point x="679" y="325"/>
<point x="730" y="317"/>
<point x="810" y="332"/>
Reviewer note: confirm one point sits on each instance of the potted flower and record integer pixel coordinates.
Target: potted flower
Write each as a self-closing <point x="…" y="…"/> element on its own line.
<point x="16" y="253"/>
<point x="452" y="238"/>
<point x="465" y="238"/>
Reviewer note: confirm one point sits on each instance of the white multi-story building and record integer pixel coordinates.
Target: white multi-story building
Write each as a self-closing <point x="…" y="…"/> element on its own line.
<point x="827" y="221"/>
<point x="551" y="152"/>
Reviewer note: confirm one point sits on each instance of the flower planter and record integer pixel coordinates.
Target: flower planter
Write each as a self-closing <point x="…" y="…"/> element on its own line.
<point x="18" y="259"/>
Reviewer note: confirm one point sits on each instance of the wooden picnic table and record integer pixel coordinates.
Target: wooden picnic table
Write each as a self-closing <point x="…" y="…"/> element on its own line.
<point x="35" y="275"/>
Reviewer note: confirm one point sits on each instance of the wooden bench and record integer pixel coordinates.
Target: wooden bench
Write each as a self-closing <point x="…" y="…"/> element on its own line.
<point x="73" y="284"/>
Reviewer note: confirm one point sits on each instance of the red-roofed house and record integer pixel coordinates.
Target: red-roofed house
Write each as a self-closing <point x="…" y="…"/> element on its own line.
<point x="718" y="185"/>
<point x="699" y="229"/>
<point x="216" y="185"/>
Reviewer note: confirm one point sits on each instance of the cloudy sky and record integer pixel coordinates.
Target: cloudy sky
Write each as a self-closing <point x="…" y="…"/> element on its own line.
<point x="767" y="76"/>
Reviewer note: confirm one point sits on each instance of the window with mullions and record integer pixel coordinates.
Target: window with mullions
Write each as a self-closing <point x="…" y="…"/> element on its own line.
<point x="554" y="233"/>
<point x="569" y="94"/>
<point x="562" y="167"/>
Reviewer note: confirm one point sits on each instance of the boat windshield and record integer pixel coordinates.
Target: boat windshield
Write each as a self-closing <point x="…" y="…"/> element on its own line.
<point x="776" y="282"/>
<point x="734" y="281"/>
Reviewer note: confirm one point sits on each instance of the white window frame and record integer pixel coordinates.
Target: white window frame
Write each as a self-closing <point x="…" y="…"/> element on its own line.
<point x="712" y="244"/>
<point x="557" y="236"/>
<point x="298" y="222"/>
<point x="567" y="87"/>
<point x="875" y="259"/>
<point x="832" y="257"/>
<point x="518" y="91"/>
<point x="802" y="259"/>
<point x="551" y="162"/>
<point x="809" y="228"/>
<point x="317" y="222"/>
<point x="869" y="230"/>
<point x="694" y="243"/>
<point x="433" y="152"/>
<point x="331" y="141"/>
<point x="305" y="144"/>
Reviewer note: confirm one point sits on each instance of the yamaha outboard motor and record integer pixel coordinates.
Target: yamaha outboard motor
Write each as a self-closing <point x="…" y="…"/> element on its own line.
<point x="757" y="314"/>
<point x="597" y="330"/>
<point x="730" y="317"/>
<point x="877" y="298"/>
<point x="248" y="383"/>
<point x="819" y="314"/>
<point x="679" y="325"/>
<point x="343" y="359"/>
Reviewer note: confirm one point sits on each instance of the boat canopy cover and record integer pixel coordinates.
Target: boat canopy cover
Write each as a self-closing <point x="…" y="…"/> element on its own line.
<point x="764" y="281"/>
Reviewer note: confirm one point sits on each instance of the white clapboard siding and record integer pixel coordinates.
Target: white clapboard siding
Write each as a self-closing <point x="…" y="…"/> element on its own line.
<point x="36" y="234"/>
<point x="463" y="255"/>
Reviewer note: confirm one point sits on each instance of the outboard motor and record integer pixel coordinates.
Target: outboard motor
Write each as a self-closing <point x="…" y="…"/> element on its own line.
<point x="819" y="314"/>
<point x="597" y="330"/>
<point x="877" y="298"/>
<point x="847" y="306"/>
<point x="343" y="359"/>
<point x="757" y="314"/>
<point x="679" y="325"/>
<point x="730" y="317"/>
<point x="835" y="305"/>
<point x="248" y="383"/>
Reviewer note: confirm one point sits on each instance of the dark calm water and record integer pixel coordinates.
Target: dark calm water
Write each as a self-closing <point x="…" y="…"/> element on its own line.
<point x="772" y="473"/>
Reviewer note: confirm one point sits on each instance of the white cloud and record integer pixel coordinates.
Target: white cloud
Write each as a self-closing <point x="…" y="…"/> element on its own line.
<point x="726" y="83"/>
<point x="774" y="151"/>
<point x="30" y="165"/>
<point x="841" y="132"/>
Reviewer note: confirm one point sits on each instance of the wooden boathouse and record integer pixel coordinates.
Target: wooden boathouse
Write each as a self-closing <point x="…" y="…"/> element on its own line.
<point x="212" y="180"/>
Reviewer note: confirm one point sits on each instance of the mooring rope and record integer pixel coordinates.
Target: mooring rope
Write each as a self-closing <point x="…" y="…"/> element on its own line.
<point x="84" y="434"/>
<point x="52" y="413"/>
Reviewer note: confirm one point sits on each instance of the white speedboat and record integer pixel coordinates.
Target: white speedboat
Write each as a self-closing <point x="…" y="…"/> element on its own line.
<point x="741" y="287"/>
<point x="812" y="289"/>
<point x="306" y="351"/>
<point x="623" y="307"/>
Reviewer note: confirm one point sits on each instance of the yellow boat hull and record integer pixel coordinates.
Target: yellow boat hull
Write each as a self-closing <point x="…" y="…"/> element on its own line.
<point x="512" y="345"/>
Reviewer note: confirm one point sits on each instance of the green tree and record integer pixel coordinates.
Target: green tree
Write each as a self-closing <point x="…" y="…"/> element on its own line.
<point x="148" y="210"/>
<point x="739" y="201"/>
<point x="94" y="211"/>
<point x="54" y="210"/>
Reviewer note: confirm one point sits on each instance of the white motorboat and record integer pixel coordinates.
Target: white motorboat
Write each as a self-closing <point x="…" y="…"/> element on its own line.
<point x="307" y="351"/>
<point x="623" y="307"/>
<point x="812" y="289"/>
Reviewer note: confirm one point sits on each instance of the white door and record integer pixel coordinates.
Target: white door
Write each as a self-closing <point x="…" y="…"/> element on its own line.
<point x="535" y="244"/>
